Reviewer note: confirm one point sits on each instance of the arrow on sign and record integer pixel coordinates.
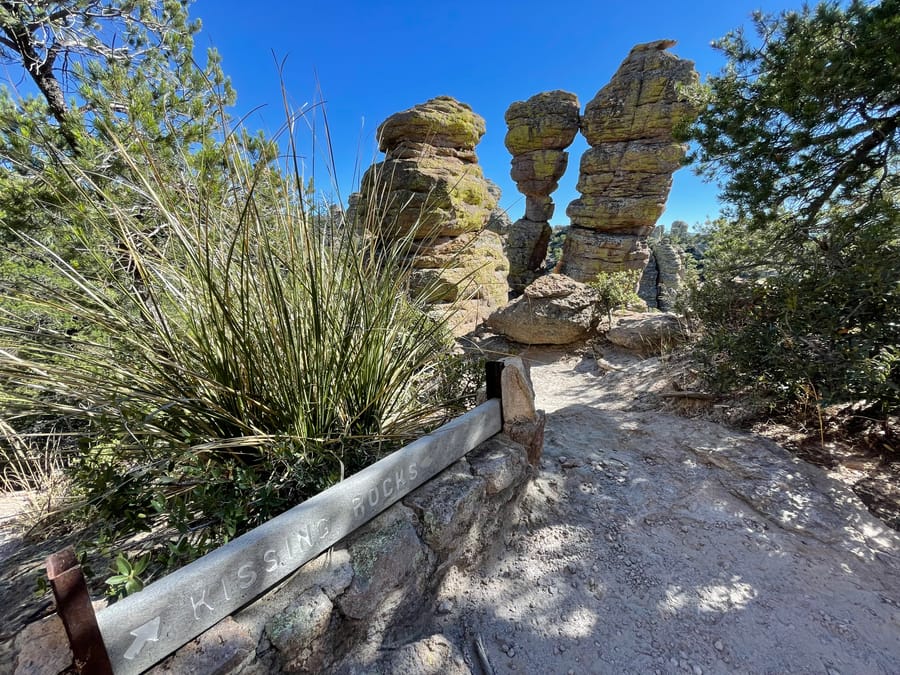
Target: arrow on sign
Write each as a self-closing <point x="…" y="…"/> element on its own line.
<point x="149" y="632"/>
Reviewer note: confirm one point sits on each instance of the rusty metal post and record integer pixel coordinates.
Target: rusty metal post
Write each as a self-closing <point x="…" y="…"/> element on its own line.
<point x="73" y="604"/>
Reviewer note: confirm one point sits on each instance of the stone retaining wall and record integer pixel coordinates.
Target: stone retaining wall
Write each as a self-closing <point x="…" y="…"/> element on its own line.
<point x="355" y="608"/>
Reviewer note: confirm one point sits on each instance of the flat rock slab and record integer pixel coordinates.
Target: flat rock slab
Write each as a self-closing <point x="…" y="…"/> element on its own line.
<point x="653" y="543"/>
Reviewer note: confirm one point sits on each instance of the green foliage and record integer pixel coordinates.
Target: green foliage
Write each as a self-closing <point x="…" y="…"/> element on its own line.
<point x="228" y="357"/>
<point x="801" y="292"/>
<point x="127" y="579"/>
<point x="616" y="290"/>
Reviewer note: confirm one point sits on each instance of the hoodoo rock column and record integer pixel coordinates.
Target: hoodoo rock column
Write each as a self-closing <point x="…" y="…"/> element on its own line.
<point x="540" y="129"/>
<point x="431" y="188"/>
<point x="626" y="174"/>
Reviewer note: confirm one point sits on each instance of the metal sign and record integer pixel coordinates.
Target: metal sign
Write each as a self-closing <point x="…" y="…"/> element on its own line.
<point x="144" y="628"/>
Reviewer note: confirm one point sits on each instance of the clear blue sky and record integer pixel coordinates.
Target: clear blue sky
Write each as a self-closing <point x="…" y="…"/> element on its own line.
<point x="372" y="59"/>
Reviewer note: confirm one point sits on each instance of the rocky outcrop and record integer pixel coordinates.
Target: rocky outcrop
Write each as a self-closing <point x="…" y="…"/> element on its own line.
<point x="539" y="131"/>
<point x="554" y="310"/>
<point x="663" y="275"/>
<point x="627" y="172"/>
<point x="431" y="189"/>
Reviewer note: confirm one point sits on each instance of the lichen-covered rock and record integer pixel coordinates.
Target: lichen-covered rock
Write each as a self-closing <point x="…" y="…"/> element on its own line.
<point x="447" y="506"/>
<point x="586" y="253"/>
<point x="626" y="176"/>
<point x="539" y="131"/>
<point x="297" y="632"/>
<point x="671" y="272"/>
<point x="546" y="121"/>
<point x="441" y="123"/>
<point x="426" y="197"/>
<point x="554" y="310"/>
<point x="389" y="561"/>
<point x="642" y="101"/>
<point x="501" y="462"/>
<point x="648" y="285"/>
<point x="430" y="188"/>
<point x="526" y="248"/>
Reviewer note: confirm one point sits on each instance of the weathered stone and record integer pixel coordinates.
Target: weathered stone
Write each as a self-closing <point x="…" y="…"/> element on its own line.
<point x="530" y="435"/>
<point x="434" y="655"/>
<point x="471" y="266"/>
<point x="517" y="390"/>
<point x="546" y="121"/>
<point x="526" y="248"/>
<point x="223" y="649"/>
<point x="537" y="173"/>
<point x="426" y="197"/>
<point x="643" y="99"/>
<point x="625" y="215"/>
<point x="442" y="122"/>
<point x="43" y="648"/>
<point x="671" y="272"/>
<point x="430" y="188"/>
<point x="447" y="506"/>
<point x="647" y="286"/>
<point x="539" y="130"/>
<point x="389" y="561"/>
<point x="627" y="174"/>
<point x="501" y="462"/>
<point x="647" y="333"/>
<point x="298" y="631"/>
<point x="555" y="309"/>
<point x="539" y="209"/>
<point x="587" y="252"/>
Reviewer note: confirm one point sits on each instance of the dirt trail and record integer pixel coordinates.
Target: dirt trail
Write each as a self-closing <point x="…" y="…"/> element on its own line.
<point x="651" y="543"/>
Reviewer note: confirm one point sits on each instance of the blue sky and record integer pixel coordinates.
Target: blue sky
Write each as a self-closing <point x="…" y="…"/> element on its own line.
<point x="372" y="59"/>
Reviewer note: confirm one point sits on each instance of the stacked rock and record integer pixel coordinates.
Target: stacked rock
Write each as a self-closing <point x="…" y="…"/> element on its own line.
<point x="431" y="189"/>
<point x="540" y="129"/>
<point x="627" y="172"/>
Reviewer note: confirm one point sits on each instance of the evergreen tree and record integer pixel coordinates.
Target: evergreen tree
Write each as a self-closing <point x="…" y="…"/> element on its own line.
<point x="802" y="294"/>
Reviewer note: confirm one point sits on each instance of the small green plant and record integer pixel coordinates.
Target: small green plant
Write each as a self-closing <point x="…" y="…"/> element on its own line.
<point x="616" y="290"/>
<point x="127" y="579"/>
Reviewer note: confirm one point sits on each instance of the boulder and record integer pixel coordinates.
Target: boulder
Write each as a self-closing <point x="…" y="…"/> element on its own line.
<point x="643" y="100"/>
<point x="650" y="333"/>
<point x="443" y="123"/>
<point x="554" y="309"/>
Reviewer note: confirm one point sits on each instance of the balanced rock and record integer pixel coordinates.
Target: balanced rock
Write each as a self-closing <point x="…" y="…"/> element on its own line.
<point x="430" y="189"/>
<point x="539" y="131"/>
<point x="626" y="175"/>
<point x="554" y="310"/>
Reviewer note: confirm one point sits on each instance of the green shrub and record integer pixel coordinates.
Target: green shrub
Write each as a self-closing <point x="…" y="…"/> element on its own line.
<point x="616" y="290"/>
<point x="227" y="358"/>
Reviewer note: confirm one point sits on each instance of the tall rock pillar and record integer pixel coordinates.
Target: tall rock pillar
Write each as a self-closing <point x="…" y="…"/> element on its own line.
<point x="626" y="174"/>
<point x="431" y="189"/>
<point x="540" y="129"/>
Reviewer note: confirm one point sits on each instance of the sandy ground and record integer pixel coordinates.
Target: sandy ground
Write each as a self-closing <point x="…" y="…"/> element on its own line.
<point x="651" y="543"/>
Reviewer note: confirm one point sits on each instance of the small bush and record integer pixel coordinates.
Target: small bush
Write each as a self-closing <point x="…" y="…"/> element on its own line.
<point x="616" y="290"/>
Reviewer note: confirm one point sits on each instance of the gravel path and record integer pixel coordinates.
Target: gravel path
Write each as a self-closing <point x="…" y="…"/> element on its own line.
<point x="651" y="543"/>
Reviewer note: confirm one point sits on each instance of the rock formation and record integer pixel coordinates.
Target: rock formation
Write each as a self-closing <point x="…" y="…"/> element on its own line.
<point x="431" y="189"/>
<point x="663" y="275"/>
<point x="539" y="131"/>
<point x="627" y="172"/>
<point x="554" y="310"/>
